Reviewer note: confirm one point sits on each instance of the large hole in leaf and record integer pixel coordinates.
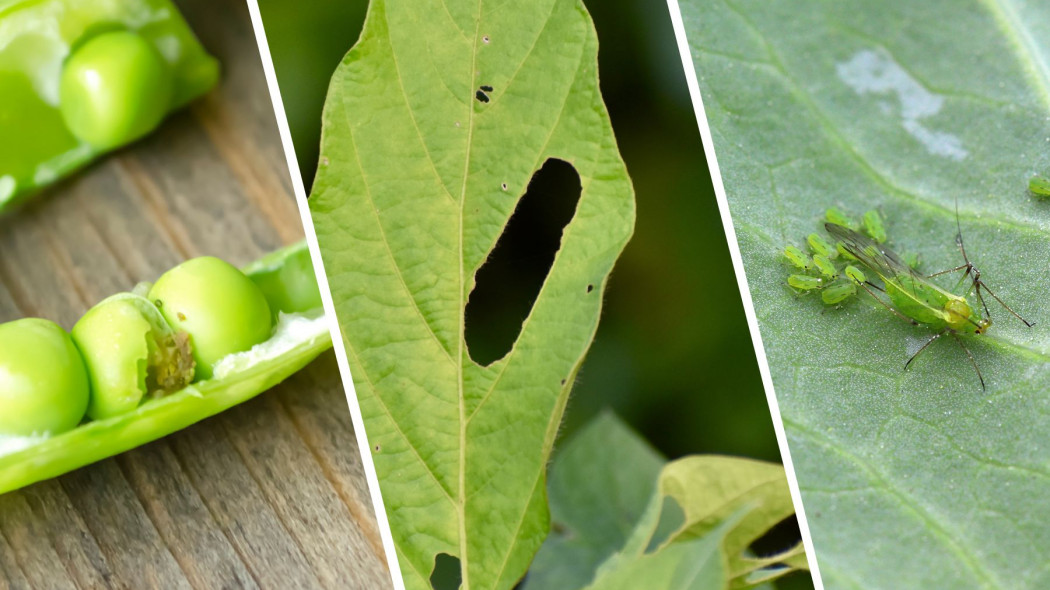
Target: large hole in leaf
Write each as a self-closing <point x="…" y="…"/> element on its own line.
<point x="447" y="574"/>
<point x="510" y="280"/>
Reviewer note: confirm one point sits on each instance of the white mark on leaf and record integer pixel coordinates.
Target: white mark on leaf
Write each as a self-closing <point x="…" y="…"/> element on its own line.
<point x="872" y="72"/>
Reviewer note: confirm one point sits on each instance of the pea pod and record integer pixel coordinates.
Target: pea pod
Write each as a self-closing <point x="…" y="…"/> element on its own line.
<point x="300" y="335"/>
<point x="78" y="79"/>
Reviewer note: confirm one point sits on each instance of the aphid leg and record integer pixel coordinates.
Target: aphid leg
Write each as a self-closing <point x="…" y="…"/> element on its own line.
<point x="887" y="305"/>
<point x="923" y="347"/>
<point x="973" y="361"/>
<point x="981" y="285"/>
<point x="965" y="267"/>
<point x="874" y="286"/>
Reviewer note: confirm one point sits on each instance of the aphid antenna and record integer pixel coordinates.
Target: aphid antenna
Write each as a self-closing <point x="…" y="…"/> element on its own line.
<point x="975" y="274"/>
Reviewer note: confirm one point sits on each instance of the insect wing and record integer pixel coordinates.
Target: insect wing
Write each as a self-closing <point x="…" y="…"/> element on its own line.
<point x="885" y="262"/>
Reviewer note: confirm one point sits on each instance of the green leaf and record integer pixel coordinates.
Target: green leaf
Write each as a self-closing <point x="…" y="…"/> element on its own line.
<point x="626" y="519"/>
<point x="904" y="106"/>
<point x="601" y="482"/>
<point x="416" y="182"/>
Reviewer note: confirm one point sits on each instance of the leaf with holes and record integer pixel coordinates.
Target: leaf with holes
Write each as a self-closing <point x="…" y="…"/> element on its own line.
<point x="626" y="518"/>
<point x="904" y="106"/>
<point x="434" y="124"/>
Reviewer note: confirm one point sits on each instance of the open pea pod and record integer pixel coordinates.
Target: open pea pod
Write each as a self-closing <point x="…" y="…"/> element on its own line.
<point x="287" y="280"/>
<point x="80" y="78"/>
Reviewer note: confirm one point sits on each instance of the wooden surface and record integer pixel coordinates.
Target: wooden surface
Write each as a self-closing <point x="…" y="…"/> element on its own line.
<point x="268" y="494"/>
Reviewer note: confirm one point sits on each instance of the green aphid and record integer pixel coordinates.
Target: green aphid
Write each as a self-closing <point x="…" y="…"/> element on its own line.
<point x="837" y="217"/>
<point x="855" y="274"/>
<point x="1039" y="186"/>
<point x="873" y="226"/>
<point x="797" y="257"/>
<point x="820" y="246"/>
<point x="825" y="266"/>
<point x="805" y="282"/>
<point x="838" y="292"/>
<point x="911" y="259"/>
<point x="843" y="252"/>
<point x="914" y="298"/>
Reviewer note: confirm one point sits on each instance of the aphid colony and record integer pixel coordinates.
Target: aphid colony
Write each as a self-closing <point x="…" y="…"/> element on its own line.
<point x="830" y="269"/>
<point x="909" y="295"/>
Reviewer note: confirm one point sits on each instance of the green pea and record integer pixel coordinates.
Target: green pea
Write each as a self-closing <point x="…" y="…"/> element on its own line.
<point x="797" y="257"/>
<point x="43" y="383"/>
<point x="1039" y="186"/>
<point x="288" y="281"/>
<point x="130" y="351"/>
<point x="805" y="282"/>
<point x="837" y="217"/>
<point x="873" y="226"/>
<point x="820" y="246"/>
<point x="114" y="89"/>
<point x="825" y="266"/>
<point x="220" y="308"/>
<point x="838" y="292"/>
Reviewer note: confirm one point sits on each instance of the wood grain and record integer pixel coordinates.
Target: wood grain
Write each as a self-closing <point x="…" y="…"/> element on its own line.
<point x="270" y="494"/>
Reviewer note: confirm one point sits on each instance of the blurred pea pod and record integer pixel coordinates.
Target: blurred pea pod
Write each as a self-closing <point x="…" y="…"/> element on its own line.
<point x="80" y="78"/>
<point x="45" y="382"/>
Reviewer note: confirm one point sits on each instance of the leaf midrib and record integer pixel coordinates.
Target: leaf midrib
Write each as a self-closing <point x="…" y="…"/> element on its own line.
<point x="461" y="504"/>
<point x="1027" y="51"/>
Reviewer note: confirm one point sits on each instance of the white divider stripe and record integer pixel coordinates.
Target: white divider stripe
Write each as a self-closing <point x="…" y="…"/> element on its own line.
<point x="326" y="296"/>
<point x="741" y="278"/>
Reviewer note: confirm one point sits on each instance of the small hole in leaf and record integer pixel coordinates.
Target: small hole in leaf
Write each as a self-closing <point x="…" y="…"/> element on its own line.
<point x="378" y="448"/>
<point x="485" y="39"/>
<point x="487" y="88"/>
<point x="503" y="186"/>
<point x="781" y="537"/>
<point x="563" y="382"/>
<point x="481" y="96"/>
<point x="590" y="288"/>
<point x="447" y="574"/>
<point x="507" y="285"/>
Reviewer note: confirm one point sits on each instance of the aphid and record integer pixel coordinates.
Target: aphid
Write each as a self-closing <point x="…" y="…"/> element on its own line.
<point x="820" y="246"/>
<point x="805" y="282"/>
<point x="843" y="252"/>
<point x="837" y="217"/>
<point x="911" y="259"/>
<point x="855" y="274"/>
<point x="838" y="292"/>
<point x="797" y="257"/>
<point x="915" y="299"/>
<point x="1039" y="186"/>
<point x="873" y="226"/>
<point x="825" y="266"/>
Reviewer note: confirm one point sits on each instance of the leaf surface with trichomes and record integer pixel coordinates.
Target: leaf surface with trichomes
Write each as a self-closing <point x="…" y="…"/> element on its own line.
<point x="904" y="107"/>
